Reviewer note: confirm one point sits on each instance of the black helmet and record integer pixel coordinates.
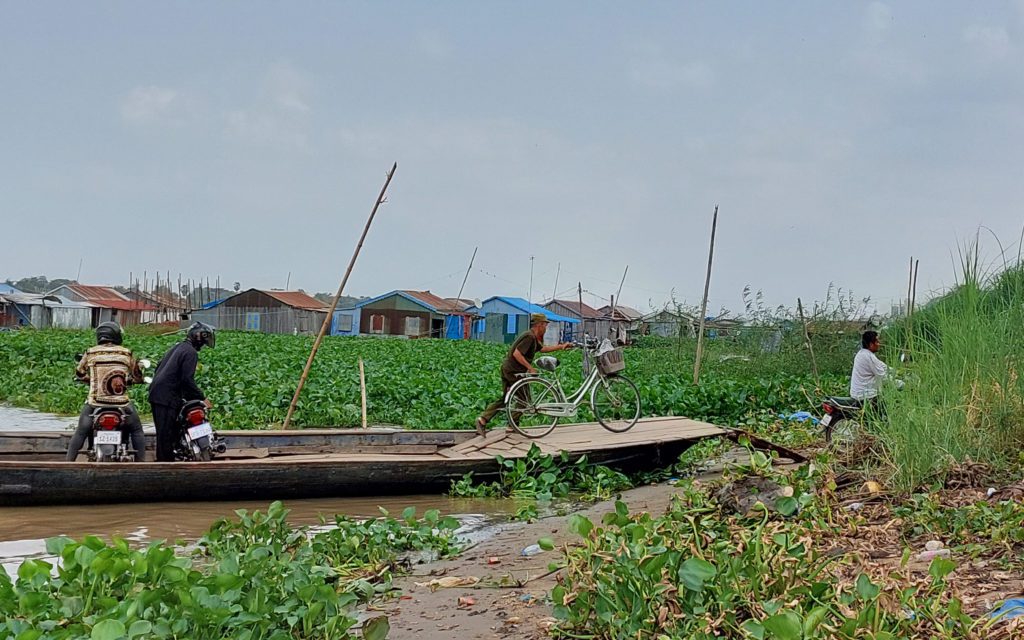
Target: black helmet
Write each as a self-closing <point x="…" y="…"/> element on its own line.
<point x="201" y="334"/>
<point x="109" y="332"/>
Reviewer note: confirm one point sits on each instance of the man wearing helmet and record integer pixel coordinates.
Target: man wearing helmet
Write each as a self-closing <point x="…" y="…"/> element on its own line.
<point x="109" y="368"/>
<point x="173" y="383"/>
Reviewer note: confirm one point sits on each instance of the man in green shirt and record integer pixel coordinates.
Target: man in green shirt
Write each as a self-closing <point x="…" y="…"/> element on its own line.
<point x="519" y="360"/>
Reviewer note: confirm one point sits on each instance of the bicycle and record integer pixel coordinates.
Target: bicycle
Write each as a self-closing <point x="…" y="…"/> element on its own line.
<point x="534" y="404"/>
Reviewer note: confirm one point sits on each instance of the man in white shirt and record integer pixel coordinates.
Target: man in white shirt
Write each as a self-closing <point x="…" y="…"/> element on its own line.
<point x="868" y="370"/>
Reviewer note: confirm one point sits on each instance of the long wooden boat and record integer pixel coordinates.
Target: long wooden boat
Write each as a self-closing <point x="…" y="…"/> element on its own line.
<point x="308" y="463"/>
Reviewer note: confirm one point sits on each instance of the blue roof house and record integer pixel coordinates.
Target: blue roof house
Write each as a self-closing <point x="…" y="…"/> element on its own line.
<point x="505" y="317"/>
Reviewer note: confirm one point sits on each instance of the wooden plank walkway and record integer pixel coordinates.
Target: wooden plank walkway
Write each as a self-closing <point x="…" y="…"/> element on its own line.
<point x="578" y="438"/>
<point x="574" y="439"/>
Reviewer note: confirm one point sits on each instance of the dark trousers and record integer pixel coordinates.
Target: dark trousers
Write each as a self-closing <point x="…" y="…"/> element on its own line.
<point x="499" y="404"/>
<point x="165" y="418"/>
<point x="132" y="423"/>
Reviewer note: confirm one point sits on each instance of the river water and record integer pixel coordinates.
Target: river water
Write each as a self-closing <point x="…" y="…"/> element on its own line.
<point x="24" y="530"/>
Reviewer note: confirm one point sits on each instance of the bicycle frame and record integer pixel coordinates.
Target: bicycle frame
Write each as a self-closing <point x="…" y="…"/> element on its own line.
<point x="568" y="407"/>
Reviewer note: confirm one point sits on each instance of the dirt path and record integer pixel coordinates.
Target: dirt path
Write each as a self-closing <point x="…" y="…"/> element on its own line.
<point x="487" y="609"/>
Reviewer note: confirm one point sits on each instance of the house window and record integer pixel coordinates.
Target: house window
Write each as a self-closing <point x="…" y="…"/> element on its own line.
<point x="412" y="326"/>
<point x="344" y="323"/>
<point x="377" y="323"/>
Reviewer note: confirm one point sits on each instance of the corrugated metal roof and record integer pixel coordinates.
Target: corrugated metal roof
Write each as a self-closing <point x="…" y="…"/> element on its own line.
<point x="529" y="307"/>
<point x="46" y="300"/>
<point x="297" y="299"/>
<point x="108" y="298"/>
<point x="589" y="312"/>
<point x="629" y="313"/>
<point x="438" y="303"/>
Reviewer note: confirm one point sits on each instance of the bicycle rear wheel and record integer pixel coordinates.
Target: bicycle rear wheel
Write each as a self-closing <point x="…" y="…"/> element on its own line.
<point x="616" y="403"/>
<point x="521" y="407"/>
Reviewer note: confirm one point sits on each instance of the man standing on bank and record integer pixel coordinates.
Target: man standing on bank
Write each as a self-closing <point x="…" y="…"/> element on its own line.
<point x="519" y="360"/>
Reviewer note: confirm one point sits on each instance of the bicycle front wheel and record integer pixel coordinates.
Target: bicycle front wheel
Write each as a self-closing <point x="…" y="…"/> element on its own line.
<point x="616" y="403"/>
<point x="523" y="404"/>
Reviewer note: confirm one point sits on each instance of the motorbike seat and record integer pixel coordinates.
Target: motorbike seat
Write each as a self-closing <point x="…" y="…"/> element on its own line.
<point x="845" y="402"/>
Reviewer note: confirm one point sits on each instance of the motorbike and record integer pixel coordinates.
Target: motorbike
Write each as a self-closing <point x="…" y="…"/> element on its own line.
<point x="197" y="441"/>
<point x="837" y="409"/>
<point x="110" y="440"/>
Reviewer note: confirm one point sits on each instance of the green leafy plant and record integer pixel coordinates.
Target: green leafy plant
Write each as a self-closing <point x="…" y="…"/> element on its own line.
<point x="254" y="577"/>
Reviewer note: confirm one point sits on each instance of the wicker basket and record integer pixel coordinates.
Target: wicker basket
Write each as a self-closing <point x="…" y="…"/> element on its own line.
<point x="611" y="363"/>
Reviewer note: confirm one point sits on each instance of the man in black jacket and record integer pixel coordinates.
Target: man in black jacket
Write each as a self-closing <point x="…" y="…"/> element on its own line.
<point x="173" y="383"/>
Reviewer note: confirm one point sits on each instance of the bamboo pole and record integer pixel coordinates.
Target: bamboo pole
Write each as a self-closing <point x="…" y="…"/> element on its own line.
<point x="334" y="305"/>
<point x="558" y="272"/>
<point x="913" y="292"/>
<point x="362" y="389"/>
<point x="619" y="292"/>
<point x="704" y="302"/>
<point x="810" y="347"/>
<point x="583" y="331"/>
<point x="466" y="277"/>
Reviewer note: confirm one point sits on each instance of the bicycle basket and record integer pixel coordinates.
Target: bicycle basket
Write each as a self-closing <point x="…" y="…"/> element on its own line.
<point x="611" y="362"/>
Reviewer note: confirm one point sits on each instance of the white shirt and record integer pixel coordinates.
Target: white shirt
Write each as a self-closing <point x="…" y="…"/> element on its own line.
<point x="867" y="375"/>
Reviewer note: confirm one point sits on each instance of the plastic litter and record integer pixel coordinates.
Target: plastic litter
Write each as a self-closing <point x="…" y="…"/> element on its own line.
<point x="991" y="491"/>
<point x="931" y="555"/>
<point x="531" y="550"/>
<point x="799" y="416"/>
<point x="855" y="506"/>
<point x="933" y="545"/>
<point x="1012" y="608"/>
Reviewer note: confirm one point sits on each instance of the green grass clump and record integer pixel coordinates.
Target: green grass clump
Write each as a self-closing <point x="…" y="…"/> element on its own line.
<point x="964" y="398"/>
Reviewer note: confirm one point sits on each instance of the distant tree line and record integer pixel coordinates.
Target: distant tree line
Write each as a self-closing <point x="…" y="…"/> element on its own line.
<point x="38" y="284"/>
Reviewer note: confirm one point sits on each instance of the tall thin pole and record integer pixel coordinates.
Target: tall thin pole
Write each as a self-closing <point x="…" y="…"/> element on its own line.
<point x="913" y="293"/>
<point x="583" y="328"/>
<point x="362" y="389"/>
<point x="288" y="282"/>
<point x="619" y="292"/>
<point x="529" y="296"/>
<point x="909" y="285"/>
<point x="337" y="296"/>
<point x="79" y="276"/>
<point x="554" y="293"/>
<point x="810" y="347"/>
<point x="466" y="277"/>
<point x="704" y="302"/>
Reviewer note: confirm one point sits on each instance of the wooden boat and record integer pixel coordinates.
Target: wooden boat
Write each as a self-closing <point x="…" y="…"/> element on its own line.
<point x="308" y="463"/>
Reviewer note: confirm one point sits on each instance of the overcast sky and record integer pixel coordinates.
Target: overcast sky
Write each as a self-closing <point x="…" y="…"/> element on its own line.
<point x="249" y="140"/>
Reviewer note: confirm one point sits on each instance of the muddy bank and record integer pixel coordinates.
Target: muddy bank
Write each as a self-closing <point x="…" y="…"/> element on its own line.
<point x="496" y="607"/>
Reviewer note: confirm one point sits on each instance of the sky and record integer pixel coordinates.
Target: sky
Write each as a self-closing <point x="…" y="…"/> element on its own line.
<point x="247" y="141"/>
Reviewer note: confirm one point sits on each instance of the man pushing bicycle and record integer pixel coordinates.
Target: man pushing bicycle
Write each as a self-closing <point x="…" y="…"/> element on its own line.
<point x="518" y="361"/>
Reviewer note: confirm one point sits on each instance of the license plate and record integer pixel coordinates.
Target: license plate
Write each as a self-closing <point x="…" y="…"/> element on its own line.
<point x="827" y="420"/>
<point x="107" y="437"/>
<point x="200" y="430"/>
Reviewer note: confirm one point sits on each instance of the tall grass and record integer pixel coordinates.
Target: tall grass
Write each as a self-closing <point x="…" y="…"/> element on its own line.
<point x="964" y="398"/>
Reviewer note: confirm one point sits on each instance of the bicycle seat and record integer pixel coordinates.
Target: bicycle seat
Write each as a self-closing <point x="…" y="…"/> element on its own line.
<point x="548" y="363"/>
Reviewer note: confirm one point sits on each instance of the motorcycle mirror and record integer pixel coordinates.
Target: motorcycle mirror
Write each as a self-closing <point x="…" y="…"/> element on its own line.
<point x="147" y="379"/>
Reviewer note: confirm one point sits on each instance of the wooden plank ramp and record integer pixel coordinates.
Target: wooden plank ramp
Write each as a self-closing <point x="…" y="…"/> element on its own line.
<point x="582" y="437"/>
